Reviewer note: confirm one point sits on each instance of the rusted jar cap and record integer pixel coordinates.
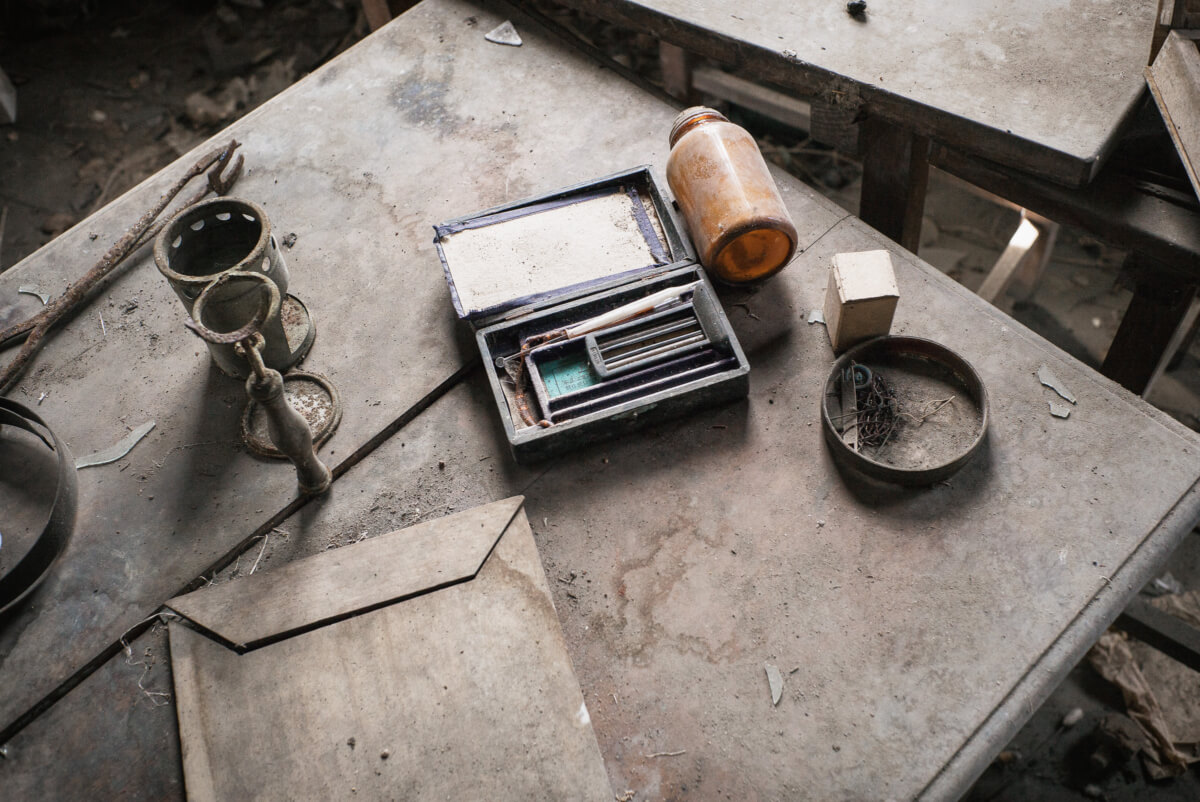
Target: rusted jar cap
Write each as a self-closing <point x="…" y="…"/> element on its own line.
<point x="689" y="117"/>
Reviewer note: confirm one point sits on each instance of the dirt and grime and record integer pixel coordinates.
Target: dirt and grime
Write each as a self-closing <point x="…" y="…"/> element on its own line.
<point x="117" y="95"/>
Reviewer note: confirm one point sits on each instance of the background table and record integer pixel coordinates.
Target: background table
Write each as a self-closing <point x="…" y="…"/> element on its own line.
<point x="1042" y="87"/>
<point x="924" y="626"/>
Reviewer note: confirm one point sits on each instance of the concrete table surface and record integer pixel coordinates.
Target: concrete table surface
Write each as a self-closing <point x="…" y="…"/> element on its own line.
<point x="1039" y="86"/>
<point x="923" y="626"/>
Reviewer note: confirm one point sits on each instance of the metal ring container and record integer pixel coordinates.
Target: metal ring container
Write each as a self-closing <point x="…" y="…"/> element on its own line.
<point x="214" y="237"/>
<point x="897" y="357"/>
<point x="211" y="240"/>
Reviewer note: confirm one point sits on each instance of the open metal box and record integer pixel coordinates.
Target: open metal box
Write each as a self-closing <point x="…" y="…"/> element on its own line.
<point x="591" y="313"/>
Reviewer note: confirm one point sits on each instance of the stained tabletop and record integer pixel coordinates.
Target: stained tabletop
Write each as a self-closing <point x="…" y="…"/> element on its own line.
<point x="914" y="629"/>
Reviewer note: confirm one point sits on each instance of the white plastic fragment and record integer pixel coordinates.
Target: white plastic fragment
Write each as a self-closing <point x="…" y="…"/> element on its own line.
<point x="1072" y="718"/>
<point x="115" y="452"/>
<point x="504" y="34"/>
<point x="775" y="680"/>
<point x="816" y="316"/>
<point x="1047" y="377"/>
<point x="29" y="289"/>
<point x="1059" y="410"/>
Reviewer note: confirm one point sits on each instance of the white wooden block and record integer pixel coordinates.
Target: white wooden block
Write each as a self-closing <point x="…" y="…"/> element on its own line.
<point x="861" y="297"/>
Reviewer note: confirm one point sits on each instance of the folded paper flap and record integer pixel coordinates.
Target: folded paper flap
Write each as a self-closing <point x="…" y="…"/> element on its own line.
<point x="462" y="693"/>
<point x="256" y="610"/>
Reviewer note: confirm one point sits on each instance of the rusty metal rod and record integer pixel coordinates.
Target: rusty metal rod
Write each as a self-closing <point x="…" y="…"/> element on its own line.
<point x="34" y="329"/>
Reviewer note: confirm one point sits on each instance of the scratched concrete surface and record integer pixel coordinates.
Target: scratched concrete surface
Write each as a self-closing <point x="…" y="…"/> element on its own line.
<point x="684" y="559"/>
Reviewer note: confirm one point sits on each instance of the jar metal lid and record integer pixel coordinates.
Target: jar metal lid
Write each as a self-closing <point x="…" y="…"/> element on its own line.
<point x="691" y="115"/>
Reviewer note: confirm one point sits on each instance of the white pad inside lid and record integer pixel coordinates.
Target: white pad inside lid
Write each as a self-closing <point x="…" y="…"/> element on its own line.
<point x="533" y="255"/>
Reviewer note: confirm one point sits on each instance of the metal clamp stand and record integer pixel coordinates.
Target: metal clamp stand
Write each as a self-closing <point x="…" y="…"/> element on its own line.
<point x="286" y="427"/>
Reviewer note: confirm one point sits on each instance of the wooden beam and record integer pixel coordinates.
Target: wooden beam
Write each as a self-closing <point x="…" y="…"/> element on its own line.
<point x="1119" y="209"/>
<point x="1174" y="80"/>
<point x="676" y="67"/>
<point x="8" y="100"/>
<point x="1019" y="245"/>
<point x="895" y="175"/>
<point x="760" y="99"/>
<point x="1033" y="266"/>
<point x="1171" y="636"/>
<point x="1179" y="339"/>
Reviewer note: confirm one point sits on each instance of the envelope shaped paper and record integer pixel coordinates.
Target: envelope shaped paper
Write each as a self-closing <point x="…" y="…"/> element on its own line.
<point x="423" y="664"/>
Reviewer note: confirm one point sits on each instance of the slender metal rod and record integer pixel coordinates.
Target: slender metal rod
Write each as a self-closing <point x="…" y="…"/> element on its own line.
<point x="638" y="336"/>
<point x="656" y="349"/>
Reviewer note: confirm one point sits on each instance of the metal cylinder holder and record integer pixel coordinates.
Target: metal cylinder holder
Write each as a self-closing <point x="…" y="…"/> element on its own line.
<point x="213" y="239"/>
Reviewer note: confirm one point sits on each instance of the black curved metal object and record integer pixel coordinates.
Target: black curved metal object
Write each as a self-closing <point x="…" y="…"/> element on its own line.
<point x="19" y="581"/>
<point x="878" y="352"/>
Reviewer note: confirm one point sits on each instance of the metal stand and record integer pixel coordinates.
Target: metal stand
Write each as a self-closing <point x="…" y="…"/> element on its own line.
<point x="286" y="427"/>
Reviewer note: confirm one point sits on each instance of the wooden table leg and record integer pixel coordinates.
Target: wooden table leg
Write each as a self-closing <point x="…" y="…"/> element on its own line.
<point x="377" y="13"/>
<point x="1158" y="309"/>
<point x="676" y="64"/>
<point x="895" y="174"/>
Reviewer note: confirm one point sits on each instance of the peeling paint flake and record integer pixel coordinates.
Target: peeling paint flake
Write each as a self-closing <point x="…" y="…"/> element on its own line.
<point x="775" y="679"/>
<point x="504" y="34"/>
<point x="114" y="453"/>
<point x="1059" y="410"/>
<point x="29" y="289"/>
<point x="1047" y="377"/>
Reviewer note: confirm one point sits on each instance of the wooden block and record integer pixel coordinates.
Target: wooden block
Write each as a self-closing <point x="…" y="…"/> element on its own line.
<point x="861" y="297"/>
<point x="8" y="100"/>
<point x="1010" y="260"/>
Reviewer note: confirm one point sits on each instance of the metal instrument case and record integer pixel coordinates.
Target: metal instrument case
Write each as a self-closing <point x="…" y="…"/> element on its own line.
<point x="554" y="260"/>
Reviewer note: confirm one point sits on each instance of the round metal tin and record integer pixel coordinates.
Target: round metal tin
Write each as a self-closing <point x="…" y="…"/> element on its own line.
<point x="935" y="437"/>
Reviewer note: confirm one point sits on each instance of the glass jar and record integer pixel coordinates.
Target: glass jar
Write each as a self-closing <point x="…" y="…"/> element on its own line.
<point x="739" y="225"/>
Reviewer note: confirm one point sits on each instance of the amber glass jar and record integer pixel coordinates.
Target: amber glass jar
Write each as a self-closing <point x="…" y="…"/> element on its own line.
<point x="732" y="207"/>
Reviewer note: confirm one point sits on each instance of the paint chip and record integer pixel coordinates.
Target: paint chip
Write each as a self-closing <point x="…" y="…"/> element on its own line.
<point x="816" y="316"/>
<point x="1059" y="410"/>
<point x="504" y="34"/>
<point x="29" y="289"/>
<point x="114" y="453"/>
<point x="775" y="679"/>
<point x="1047" y="377"/>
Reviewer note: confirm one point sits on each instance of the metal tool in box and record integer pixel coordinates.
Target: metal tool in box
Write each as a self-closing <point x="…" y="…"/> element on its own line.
<point x="669" y="345"/>
<point x="590" y="308"/>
